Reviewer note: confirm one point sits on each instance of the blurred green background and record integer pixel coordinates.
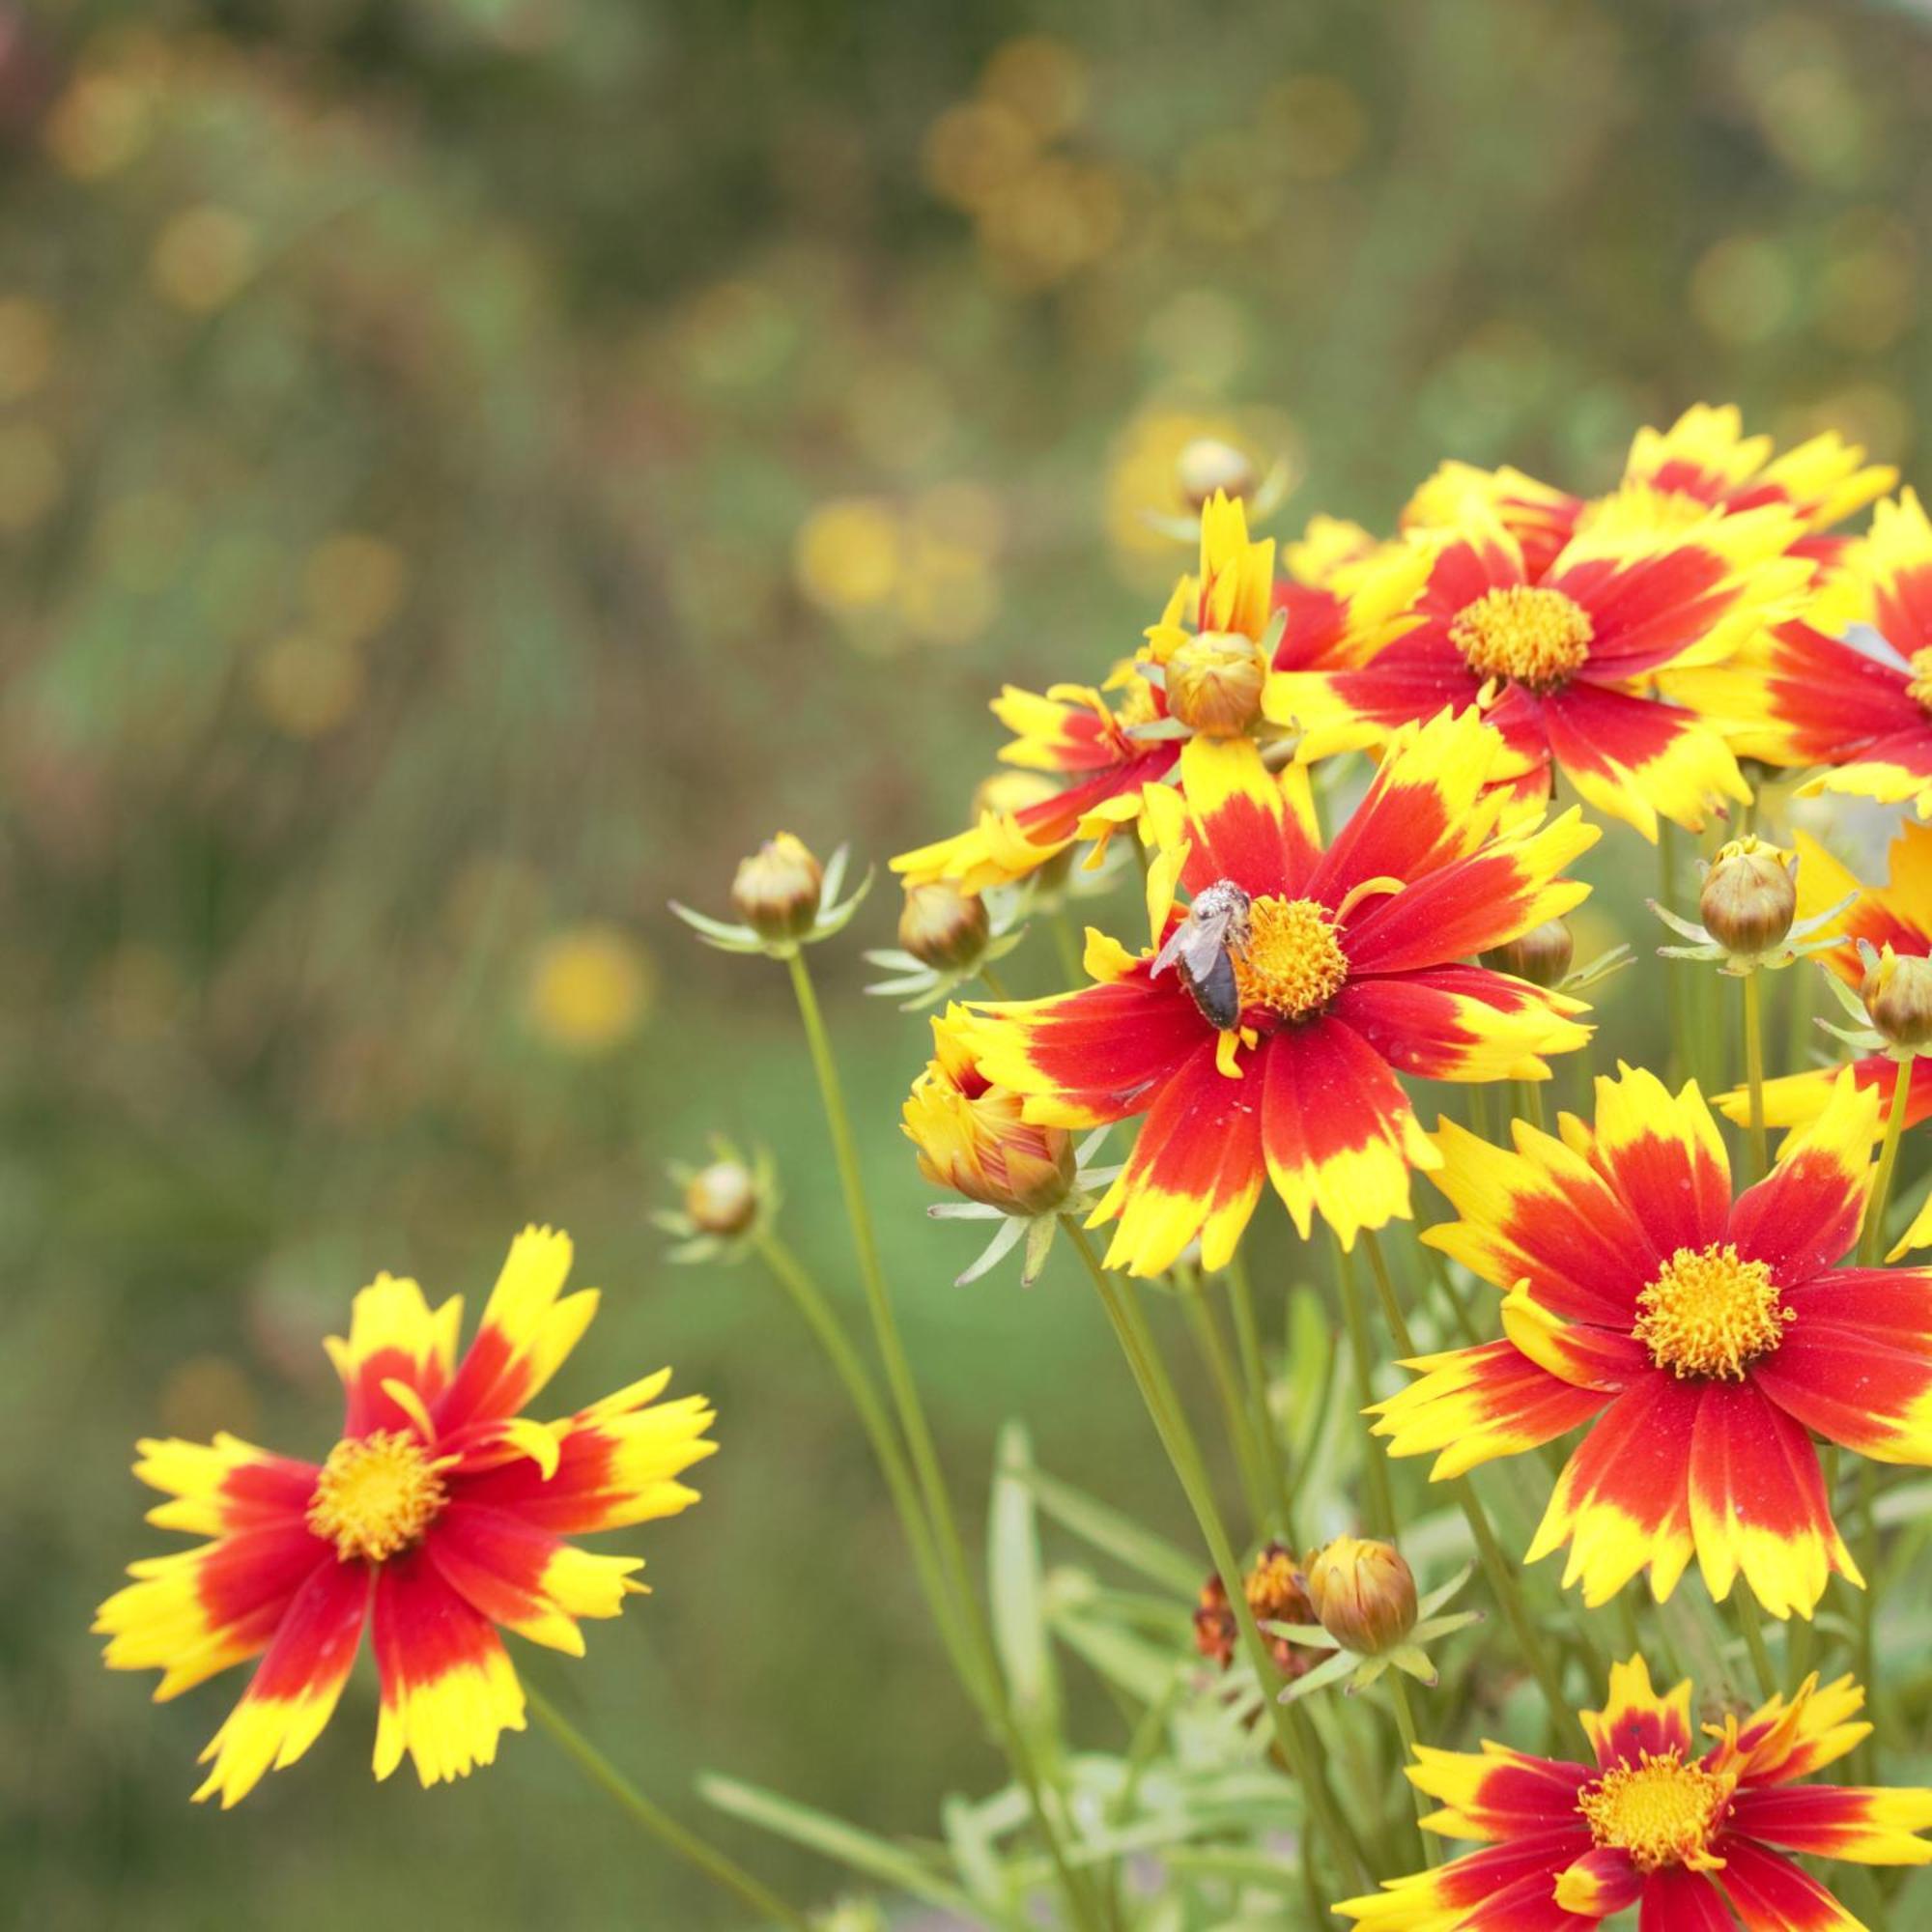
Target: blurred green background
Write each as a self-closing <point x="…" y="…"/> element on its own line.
<point x="469" y="468"/>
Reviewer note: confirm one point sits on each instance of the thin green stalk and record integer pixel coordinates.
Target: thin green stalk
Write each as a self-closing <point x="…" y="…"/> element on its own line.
<point x="992" y="981"/>
<point x="1754" y="1074"/>
<point x="810" y="1300"/>
<point x="1873" y="1236"/>
<point x="1529" y="1102"/>
<point x="666" y="1829"/>
<point x="1866" y="1758"/>
<point x="1067" y="943"/>
<point x="1501" y="1578"/>
<point x="1227" y="1386"/>
<point x="1673" y="972"/>
<point x="1149" y="1373"/>
<point x="1752" y="1626"/>
<point x="1375" y="1465"/>
<point x="1254" y="1370"/>
<point x="1404" y="1722"/>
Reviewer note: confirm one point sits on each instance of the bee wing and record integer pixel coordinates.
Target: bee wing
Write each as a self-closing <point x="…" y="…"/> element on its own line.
<point x="1197" y="944"/>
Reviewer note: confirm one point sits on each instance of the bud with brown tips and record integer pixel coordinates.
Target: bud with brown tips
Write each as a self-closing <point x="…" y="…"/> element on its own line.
<point x="943" y="927"/>
<point x="1363" y="1593"/>
<point x="1208" y="465"/>
<point x="1542" y="955"/>
<point x="1749" y="896"/>
<point x="776" y="889"/>
<point x="722" y="1199"/>
<point x="1215" y="683"/>
<point x="1897" y="993"/>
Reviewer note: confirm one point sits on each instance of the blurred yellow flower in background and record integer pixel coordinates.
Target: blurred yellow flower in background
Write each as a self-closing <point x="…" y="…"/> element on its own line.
<point x="202" y="257"/>
<point x="591" y="987"/>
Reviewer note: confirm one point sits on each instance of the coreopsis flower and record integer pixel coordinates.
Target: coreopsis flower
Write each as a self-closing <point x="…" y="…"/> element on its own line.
<point x="1344" y="968"/>
<point x="1705" y="1340"/>
<point x="1232" y="627"/>
<point x="437" y="1519"/>
<point x="1561" y="663"/>
<point x="1896" y="916"/>
<point x="1859" y="706"/>
<point x="1687" y="1839"/>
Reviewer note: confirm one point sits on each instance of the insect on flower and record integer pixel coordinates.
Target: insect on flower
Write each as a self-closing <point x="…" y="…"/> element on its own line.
<point x="1203" y="949"/>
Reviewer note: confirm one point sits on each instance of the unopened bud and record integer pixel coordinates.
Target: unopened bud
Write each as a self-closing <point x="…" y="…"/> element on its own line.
<point x="722" y="1199"/>
<point x="1363" y="1593"/>
<point x="1749" y="896"/>
<point x="943" y="927"/>
<point x="1208" y="465"/>
<point x="1215" y="683"/>
<point x="776" y="890"/>
<point x="1541" y="956"/>
<point x="1897" y="993"/>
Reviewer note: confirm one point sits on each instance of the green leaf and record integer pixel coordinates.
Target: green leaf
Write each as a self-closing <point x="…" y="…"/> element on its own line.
<point x="1014" y="1572"/>
<point x="1126" y="1542"/>
<point x="1123" y="1659"/>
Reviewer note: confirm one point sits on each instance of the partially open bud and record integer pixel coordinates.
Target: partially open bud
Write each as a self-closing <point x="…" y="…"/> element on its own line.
<point x="722" y="1199"/>
<point x="776" y="890"/>
<point x="1897" y="993"/>
<point x="970" y="1134"/>
<point x="1215" y="683"/>
<point x="1208" y="465"/>
<point x="943" y="927"/>
<point x="1275" y="1596"/>
<point x="1541" y="956"/>
<point x="1363" y="1593"/>
<point x="1749" y="896"/>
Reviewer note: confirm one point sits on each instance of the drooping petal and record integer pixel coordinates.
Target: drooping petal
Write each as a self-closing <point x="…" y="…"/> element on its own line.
<point x="393" y="1336"/>
<point x="1785" y="1739"/>
<point x="1337" y="1130"/>
<point x="1639" y="759"/>
<point x="1474" y="1404"/>
<point x="224" y="1486"/>
<point x="528" y="1327"/>
<point x="1602" y="1882"/>
<point x="296" y="1685"/>
<point x="1636" y="1722"/>
<point x="525" y="1578"/>
<point x="1623" y="1500"/>
<point x="1757" y="1503"/>
<point x="1770" y="1894"/>
<point x="1498" y="1794"/>
<point x="448" y="1689"/>
<point x="1196" y="1168"/>
<point x="193" y="1613"/>
<point x="1462" y="1023"/>
<point x="1869" y="1827"/>
<point x="1856" y="1361"/>
<point x="1664" y="1154"/>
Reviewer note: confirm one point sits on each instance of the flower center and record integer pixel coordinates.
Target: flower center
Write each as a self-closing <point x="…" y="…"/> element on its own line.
<point x="1525" y="632"/>
<point x="1660" y="1812"/>
<point x="1920" y="689"/>
<point x="1709" y="1312"/>
<point x="1294" y="962"/>
<point x="376" y="1496"/>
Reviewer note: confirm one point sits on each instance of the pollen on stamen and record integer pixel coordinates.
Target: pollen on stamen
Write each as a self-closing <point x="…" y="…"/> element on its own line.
<point x="1659" y="1811"/>
<point x="1920" y="689"/>
<point x="376" y="1496"/>
<point x="1293" y="963"/>
<point x="1527" y="633"/>
<point x="1710" y="1314"/>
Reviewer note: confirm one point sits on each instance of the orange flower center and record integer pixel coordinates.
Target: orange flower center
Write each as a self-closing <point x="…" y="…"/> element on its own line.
<point x="376" y="1496"/>
<point x="1920" y="690"/>
<point x="1660" y="1812"/>
<point x="1293" y="963"/>
<point x="1524" y="632"/>
<point x="1710" y="1314"/>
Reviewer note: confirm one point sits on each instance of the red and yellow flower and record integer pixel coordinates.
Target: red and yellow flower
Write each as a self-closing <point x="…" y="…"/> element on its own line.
<point x="1694" y="1842"/>
<point x="1705" y="1340"/>
<point x="1898" y="915"/>
<point x="437" y="1519"/>
<point x="1353" y="972"/>
<point x="1562" y="659"/>
<point x="1111" y="743"/>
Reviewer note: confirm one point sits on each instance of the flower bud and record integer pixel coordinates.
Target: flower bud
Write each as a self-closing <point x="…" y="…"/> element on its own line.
<point x="1541" y="956"/>
<point x="1897" y="993"/>
<point x="1363" y="1593"/>
<point x="971" y="1136"/>
<point x="1215" y="683"/>
<point x="776" y="890"/>
<point x="1209" y="465"/>
<point x="722" y="1199"/>
<point x="943" y="927"/>
<point x="1749" y="896"/>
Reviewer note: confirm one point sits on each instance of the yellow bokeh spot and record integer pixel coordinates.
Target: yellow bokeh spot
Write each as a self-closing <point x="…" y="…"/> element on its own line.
<point x="974" y="151"/>
<point x="846" y="554"/>
<point x="28" y="333"/>
<point x="306" y="685"/>
<point x="354" y="583"/>
<point x="202" y="257"/>
<point x="206" y="1394"/>
<point x="591" y="988"/>
<point x="1041" y="79"/>
<point x="100" y="123"/>
<point x="1313" y="126"/>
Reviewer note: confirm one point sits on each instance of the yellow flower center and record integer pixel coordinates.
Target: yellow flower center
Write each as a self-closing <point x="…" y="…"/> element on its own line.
<point x="375" y="1497"/>
<point x="1660" y="1812"/>
<point x="1711" y="1313"/>
<point x="1524" y="632"/>
<point x="1920" y="690"/>
<point x="1294" y="963"/>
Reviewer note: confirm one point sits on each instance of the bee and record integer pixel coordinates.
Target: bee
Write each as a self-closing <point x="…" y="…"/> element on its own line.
<point x="1203" y="948"/>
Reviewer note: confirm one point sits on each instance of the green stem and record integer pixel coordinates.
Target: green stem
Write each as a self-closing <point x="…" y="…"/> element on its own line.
<point x="1375" y="1465"/>
<point x="1673" y="973"/>
<point x="676" y="1837"/>
<point x="1253" y="1368"/>
<point x="992" y="981"/>
<point x="1151" y="1377"/>
<point x="1754" y="1074"/>
<point x="1066" y="941"/>
<point x="1501" y="1578"/>
<point x="1872" y="1238"/>
<point x="1227" y="1386"/>
<point x="1404" y="1722"/>
<point x="1752" y="1626"/>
